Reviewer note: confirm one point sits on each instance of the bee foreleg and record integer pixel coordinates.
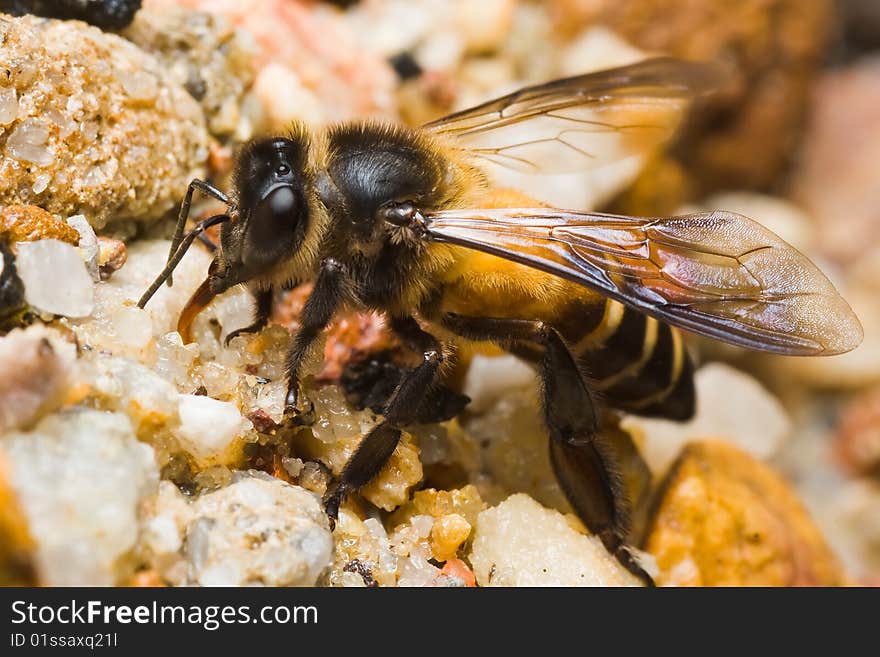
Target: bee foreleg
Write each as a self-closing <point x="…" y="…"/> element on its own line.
<point x="586" y="467"/>
<point x="325" y="299"/>
<point x="402" y="409"/>
<point x="262" y="312"/>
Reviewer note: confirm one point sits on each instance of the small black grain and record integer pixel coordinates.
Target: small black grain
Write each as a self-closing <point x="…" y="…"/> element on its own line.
<point x="106" y="14"/>
<point x="405" y="65"/>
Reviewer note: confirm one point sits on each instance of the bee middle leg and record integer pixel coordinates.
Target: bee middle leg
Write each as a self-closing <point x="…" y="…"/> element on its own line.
<point x="262" y="312"/>
<point x="322" y="304"/>
<point x="584" y="458"/>
<point x="402" y="409"/>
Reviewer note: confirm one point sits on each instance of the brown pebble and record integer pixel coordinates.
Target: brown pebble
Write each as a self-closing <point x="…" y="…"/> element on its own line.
<point x="29" y="223"/>
<point x="220" y="158"/>
<point x="112" y="255"/>
<point x="857" y="443"/>
<point x="262" y="421"/>
<point x="726" y="519"/>
<point x="146" y="578"/>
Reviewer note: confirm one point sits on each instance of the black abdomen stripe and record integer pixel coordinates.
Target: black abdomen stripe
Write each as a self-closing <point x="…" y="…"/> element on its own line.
<point x="640" y="365"/>
<point x="621" y="350"/>
<point x="637" y="364"/>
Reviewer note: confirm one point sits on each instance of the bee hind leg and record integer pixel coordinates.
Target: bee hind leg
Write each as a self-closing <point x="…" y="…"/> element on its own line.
<point x="402" y="409"/>
<point x="583" y="457"/>
<point x="594" y="487"/>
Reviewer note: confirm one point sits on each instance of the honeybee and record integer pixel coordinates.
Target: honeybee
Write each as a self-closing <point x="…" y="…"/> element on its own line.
<point x="408" y="222"/>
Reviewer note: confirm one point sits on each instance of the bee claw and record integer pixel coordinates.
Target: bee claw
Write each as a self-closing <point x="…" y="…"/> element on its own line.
<point x="332" y="500"/>
<point x="301" y="417"/>
<point x="245" y="330"/>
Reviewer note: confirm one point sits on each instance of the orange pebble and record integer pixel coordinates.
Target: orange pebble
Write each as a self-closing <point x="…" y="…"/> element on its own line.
<point x="146" y="578"/>
<point x="458" y="568"/>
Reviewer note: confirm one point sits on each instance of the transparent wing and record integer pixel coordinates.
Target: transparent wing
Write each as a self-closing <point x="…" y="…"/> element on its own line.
<point x="581" y="122"/>
<point x="718" y="274"/>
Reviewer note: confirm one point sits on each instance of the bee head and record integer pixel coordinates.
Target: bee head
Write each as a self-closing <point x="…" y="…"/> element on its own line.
<point x="270" y="181"/>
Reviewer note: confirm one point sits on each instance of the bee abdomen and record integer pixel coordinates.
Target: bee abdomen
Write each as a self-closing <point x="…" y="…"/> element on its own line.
<point x="637" y="363"/>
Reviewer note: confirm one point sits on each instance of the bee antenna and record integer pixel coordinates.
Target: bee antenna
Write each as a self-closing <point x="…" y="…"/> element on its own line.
<point x="182" y="248"/>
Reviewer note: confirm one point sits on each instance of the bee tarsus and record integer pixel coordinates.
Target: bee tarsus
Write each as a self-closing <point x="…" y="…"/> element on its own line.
<point x="262" y="312"/>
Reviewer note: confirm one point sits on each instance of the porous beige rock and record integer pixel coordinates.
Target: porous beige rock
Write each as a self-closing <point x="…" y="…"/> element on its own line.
<point x="80" y="477"/>
<point x="521" y="543"/>
<point x="256" y="530"/>
<point x="92" y="124"/>
<point x="204" y="54"/>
